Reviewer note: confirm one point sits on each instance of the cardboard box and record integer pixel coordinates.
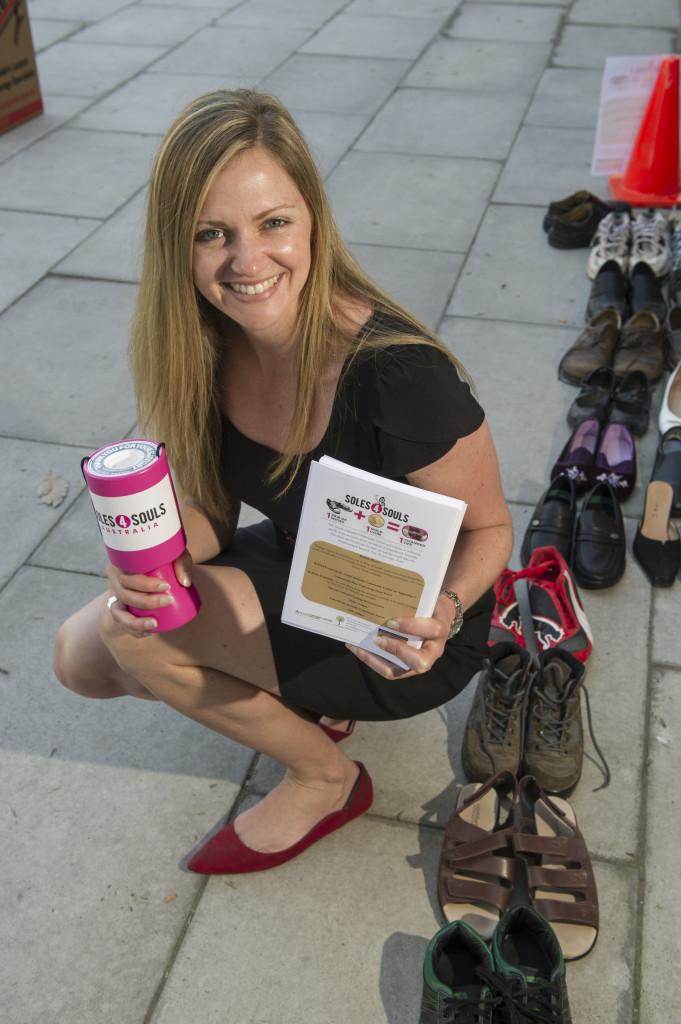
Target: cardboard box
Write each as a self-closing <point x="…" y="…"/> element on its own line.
<point x="19" y="86"/>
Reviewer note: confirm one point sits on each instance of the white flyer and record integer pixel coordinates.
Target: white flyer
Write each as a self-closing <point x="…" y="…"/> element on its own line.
<point x="368" y="550"/>
<point x="626" y="87"/>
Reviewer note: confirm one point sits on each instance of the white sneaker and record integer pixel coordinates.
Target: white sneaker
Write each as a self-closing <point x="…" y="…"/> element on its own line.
<point x="611" y="242"/>
<point x="651" y="241"/>
<point x="674" y="217"/>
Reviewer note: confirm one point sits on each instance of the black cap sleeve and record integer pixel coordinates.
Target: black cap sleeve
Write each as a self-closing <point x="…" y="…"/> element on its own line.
<point x="420" y="408"/>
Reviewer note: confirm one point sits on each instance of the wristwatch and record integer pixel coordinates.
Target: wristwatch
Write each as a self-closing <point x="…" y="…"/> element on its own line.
<point x="457" y="622"/>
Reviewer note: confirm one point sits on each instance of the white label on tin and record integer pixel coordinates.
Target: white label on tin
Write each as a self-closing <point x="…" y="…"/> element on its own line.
<point x="140" y="520"/>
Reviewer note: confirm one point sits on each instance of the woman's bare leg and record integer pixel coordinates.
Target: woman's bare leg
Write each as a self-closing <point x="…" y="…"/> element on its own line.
<point x="84" y="664"/>
<point x="219" y="670"/>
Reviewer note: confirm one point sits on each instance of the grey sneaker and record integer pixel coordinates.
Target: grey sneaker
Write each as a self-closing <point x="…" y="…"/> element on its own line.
<point x="529" y="970"/>
<point x="611" y="242"/>
<point x="493" y="738"/>
<point x="454" y="987"/>
<point x="554" y="743"/>
<point x="651" y="241"/>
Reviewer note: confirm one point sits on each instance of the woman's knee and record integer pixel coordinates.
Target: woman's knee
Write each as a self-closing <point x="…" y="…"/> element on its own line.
<point x="81" y="662"/>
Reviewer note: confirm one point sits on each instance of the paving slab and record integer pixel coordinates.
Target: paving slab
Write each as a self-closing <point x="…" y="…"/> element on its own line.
<point x="373" y="36"/>
<point x="65" y="354"/>
<point x="503" y="279"/>
<point x="537" y="167"/>
<point x="22" y="262"/>
<point x="80" y="69"/>
<point x="341" y="973"/>
<point x="23" y="516"/>
<point x="421" y="280"/>
<point x="74" y="10"/>
<point x="402" y="8"/>
<point x="661" y="988"/>
<point x="112" y="251"/>
<point x="156" y="26"/>
<point x="336" y="84"/>
<point x="149" y="102"/>
<point x="329" y="136"/>
<point x="368" y="193"/>
<point x="583" y="46"/>
<point x="663" y="13"/>
<point x="446" y="123"/>
<point x="305" y="14"/>
<point x="246" y="53"/>
<point x="522" y="397"/>
<point x="479" y="65"/>
<point x="58" y="110"/>
<point x="46" y="31"/>
<point x="511" y="22"/>
<point x="88" y="189"/>
<point x="566" y="98"/>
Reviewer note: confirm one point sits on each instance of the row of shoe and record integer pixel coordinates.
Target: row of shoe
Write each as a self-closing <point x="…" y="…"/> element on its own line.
<point x="595" y="454"/>
<point x="508" y="841"/>
<point x="553" y="615"/>
<point x="519" y="977"/>
<point x="571" y="223"/>
<point x="526" y="718"/>
<point x="606" y="398"/>
<point x="640" y="290"/>
<point x="592" y="540"/>
<point x="630" y="238"/>
<point x="638" y="344"/>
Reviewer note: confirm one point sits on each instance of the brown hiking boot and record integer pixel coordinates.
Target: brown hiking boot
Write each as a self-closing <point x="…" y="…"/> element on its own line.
<point x="594" y="347"/>
<point x="493" y="738"/>
<point x="554" y="744"/>
<point x="641" y="346"/>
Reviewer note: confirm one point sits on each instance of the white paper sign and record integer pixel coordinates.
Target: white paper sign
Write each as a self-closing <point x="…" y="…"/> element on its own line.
<point x="625" y="90"/>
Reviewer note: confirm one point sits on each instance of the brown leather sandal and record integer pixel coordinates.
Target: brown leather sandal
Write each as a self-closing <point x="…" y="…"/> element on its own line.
<point x="477" y="864"/>
<point x="560" y="877"/>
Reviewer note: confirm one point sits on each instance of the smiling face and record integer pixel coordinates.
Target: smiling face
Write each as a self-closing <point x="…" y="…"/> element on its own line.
<point x="252" y="254"/>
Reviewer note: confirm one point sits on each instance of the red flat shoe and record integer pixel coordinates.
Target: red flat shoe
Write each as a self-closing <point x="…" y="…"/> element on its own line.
<point x="225" y="854"/>
<point x="338" y="735"/>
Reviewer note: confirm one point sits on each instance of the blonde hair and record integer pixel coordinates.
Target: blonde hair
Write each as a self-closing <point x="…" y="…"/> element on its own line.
<point x="176" y="347"/>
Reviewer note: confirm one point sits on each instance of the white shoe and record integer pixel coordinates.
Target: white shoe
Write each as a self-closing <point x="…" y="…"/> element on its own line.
<point x="651" y="241"/>
<point x="611" y="242"/>
<point x="670" y="411"/>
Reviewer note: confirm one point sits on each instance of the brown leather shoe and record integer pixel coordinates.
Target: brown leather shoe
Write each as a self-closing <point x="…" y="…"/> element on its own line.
<point x="594" y="347"/>
<point x="641" y="346"/>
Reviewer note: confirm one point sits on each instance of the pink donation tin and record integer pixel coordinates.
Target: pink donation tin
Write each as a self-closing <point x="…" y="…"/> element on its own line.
<point x="134" y="501"/>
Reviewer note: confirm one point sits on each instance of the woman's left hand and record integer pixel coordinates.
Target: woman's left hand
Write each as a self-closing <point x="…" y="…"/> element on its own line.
<point x="419" y="659"/>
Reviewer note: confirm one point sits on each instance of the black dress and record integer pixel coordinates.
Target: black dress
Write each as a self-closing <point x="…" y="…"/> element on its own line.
<point x="396" y="410"/>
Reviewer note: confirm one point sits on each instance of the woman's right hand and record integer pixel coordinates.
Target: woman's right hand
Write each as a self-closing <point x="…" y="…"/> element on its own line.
<point x="146" y="593"/>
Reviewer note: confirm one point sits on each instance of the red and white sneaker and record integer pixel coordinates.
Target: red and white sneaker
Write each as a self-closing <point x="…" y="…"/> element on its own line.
<point x="558" y="617"/>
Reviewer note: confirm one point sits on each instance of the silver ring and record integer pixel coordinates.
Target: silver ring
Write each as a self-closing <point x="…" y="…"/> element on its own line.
<point x="111" y="601"/>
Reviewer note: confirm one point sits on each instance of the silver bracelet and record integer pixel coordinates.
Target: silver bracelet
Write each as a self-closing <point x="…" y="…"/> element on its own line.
<point x="457" y="622"/>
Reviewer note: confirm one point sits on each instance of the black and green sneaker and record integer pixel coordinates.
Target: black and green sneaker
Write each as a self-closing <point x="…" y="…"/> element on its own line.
<point x="456" y="963"/>
<point x="529" y="970"/>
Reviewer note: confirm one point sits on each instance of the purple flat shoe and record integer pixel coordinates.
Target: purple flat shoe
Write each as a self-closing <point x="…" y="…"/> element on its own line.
<point x="577" y="457"/>
<point x="615" y="461"/>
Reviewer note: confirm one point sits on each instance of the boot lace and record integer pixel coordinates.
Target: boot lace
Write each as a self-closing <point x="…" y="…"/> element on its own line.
<point x="534" y="1000"/>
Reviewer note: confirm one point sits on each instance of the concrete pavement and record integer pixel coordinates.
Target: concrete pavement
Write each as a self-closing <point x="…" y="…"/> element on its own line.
<point x="443" y="130"/>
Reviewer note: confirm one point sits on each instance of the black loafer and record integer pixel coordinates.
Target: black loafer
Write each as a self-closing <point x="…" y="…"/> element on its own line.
<point x="609" y="291"/>
<point x="645" y="291"/>
<point x="552" y="520"/>
<point x="667" y="465"/>
<point x="599" y="547"/>
<point x="593" y="401"/>
<point x="576" y="228"/>
<point x="631" y="402"/>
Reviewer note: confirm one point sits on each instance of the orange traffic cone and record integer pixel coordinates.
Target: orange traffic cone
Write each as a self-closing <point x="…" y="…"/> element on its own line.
<point x="652" y="175"/>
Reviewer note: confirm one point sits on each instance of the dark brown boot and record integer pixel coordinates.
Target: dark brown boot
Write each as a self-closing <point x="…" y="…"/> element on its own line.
<point x="641" y="346"/>
<point x="594" y="347"/>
